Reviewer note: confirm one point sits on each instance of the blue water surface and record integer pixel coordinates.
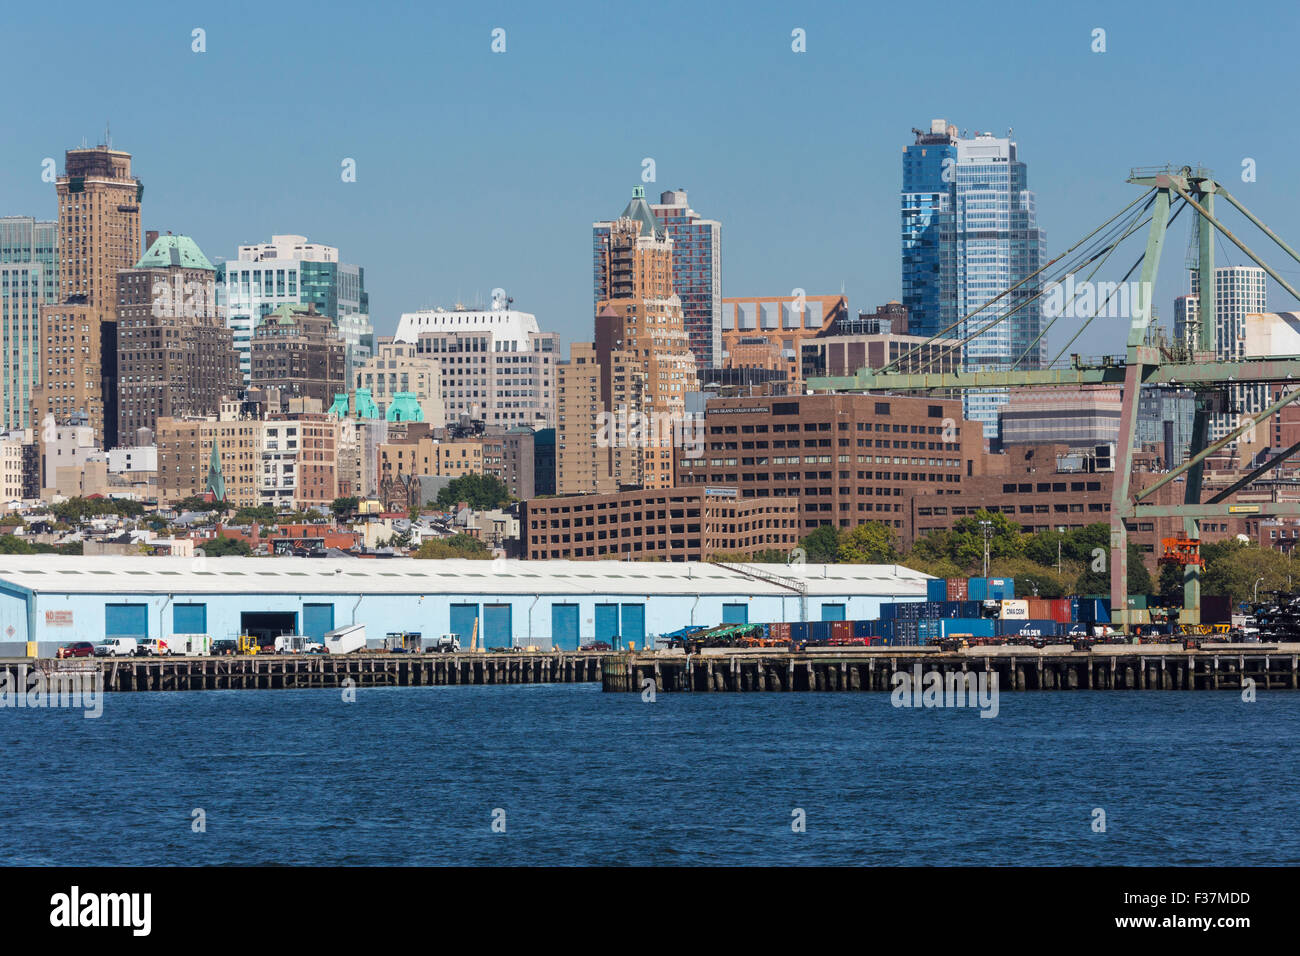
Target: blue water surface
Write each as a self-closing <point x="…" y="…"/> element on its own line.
<point x="417" y="776"/>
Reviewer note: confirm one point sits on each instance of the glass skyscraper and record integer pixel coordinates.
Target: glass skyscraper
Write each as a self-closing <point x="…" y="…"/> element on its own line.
<point x="970" y="232"/>
<point x="28" y="280"/>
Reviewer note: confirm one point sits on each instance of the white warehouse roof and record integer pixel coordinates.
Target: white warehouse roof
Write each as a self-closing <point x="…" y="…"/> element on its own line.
<point x="117" y="574"/>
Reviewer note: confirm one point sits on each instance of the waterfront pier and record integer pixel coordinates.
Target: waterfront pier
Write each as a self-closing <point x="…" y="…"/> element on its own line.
<point x="291" y="671"/>
<point x="1109" y="667"/>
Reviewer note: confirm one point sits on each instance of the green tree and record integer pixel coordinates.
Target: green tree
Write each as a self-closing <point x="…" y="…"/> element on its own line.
<point x="223" y="546"/>
<point x="1032" y="579"/>
<point x="263" y="514"/>
<point x="871" y="542"/>
<point x="457" y="546"/>
<point x="480" y="492"/>
<point x="1098" y="581"/>
<point x="967" y="540"/>
<point x="822" y="546"/>
<point x="345" y="507"/>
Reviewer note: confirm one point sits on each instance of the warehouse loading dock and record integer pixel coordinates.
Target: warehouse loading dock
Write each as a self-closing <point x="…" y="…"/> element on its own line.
<point x="265" y="626"/>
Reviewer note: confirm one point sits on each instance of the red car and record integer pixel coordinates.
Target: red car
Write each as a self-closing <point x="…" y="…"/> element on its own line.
<point x="76" y="649"/>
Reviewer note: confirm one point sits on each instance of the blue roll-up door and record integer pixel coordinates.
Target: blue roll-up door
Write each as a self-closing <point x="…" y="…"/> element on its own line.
<point x="463" y="617"/>
<point x="189" y="619"/>
<point x="317" y="620"/>
<point x="832" y="612"/>
<point x="633" y="625"/>
<point x="497" y="626"/>
<point x="126" y="620"/>
<point x="735" y="614"/>
<point x="564" y="626"/>
<point x="606" y="622"/>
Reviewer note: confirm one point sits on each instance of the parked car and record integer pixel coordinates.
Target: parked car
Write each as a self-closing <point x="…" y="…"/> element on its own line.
<point x="596" y="646"/>
<point x="225" y="646"/>
<point x="76" y="649"/>
<point x="117" y="647"/>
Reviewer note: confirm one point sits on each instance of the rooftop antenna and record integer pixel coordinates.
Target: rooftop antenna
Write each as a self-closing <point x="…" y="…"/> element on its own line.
<point x="108" y="135"/>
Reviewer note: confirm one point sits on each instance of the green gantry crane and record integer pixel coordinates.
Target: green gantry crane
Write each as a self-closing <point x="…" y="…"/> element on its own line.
<point x="1168" y="191"/>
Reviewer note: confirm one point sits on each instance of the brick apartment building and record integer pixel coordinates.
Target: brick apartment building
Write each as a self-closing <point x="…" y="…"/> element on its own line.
<point x="674" y="524"/>
<point x="845" y="459"/>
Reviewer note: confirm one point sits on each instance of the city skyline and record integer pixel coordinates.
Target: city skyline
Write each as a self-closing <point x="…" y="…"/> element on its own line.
<point x="821" y="219"/>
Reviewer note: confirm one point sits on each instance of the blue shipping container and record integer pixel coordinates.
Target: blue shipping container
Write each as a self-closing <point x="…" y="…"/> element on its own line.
<point x="1035" y="628"/>
<point x="799" y="631"/>
<point x="819" y="630"/>
<point x="865" y="628"/>
<point x="992" y="589"/>
<point x="975" y="626"/>
<point x="936" y="589"/>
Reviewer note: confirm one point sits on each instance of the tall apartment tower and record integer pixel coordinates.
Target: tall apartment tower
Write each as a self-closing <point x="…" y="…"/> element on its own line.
<point x="641" y="344"/>
<point x="697" y="273"/>
<point x="289" y="270"/>
<point x="970" y="232"/>
<point x="99" y="235"/>
<point x="175" y="355"/>
<point x="28" y="279"/>
<point x="582" y="465"/>
<point x="1238" y="291"/>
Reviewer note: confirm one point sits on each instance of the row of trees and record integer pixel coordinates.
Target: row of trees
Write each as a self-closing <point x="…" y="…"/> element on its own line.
<point x="1045" y="563"/>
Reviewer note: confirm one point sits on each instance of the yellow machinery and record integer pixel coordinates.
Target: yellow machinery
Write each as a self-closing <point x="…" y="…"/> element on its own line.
<point x="248" y="644"/>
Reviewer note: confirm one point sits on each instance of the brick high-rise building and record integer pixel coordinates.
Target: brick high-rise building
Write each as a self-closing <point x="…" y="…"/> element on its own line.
<point x="581" y="467"/>
<point x="99" y="234"/>
<point x="298" y="350"/>
<point x="175" y="355"/>
<point x="641" y="345"/>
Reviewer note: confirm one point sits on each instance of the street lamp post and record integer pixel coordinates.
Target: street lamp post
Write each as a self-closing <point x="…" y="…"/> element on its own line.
<point x="1257" y="580"/>
<point x="986" y="527"/>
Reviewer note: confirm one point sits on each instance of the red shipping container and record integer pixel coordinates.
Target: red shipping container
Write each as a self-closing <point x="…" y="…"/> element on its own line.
<point x="841" y="630"/>
<point x="780" y="632"/>
<point x="1040" y="609"/>
<point x="958" y="589"/>
<point x="1061" y="610"/>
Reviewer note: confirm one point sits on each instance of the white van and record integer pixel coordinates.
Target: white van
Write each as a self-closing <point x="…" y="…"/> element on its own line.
<point x="117" y="647"/>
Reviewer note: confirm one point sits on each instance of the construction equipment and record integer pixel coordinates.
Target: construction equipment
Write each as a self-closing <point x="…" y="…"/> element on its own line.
<point x="1180" y="550"/>
<point x="248" y="645"/>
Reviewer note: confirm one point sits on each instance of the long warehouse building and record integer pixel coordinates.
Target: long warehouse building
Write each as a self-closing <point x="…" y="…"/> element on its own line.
<point x="190" y="602"/>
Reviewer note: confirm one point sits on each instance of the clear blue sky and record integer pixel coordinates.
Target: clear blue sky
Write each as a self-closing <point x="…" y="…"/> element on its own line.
<point x="477" y="170"/>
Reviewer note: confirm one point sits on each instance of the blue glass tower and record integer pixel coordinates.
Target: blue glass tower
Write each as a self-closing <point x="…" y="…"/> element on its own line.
<point x="970" y="233"/>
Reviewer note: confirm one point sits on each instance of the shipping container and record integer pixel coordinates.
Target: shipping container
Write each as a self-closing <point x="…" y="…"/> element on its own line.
<point x="780" y="631"/>
<point x="1014" y="611"/>
<point x="799" y="631"/>
<point x="819" y="631"/>
<point x="936" y="589"/>
<point x="1062" y="610"/>
<point x="1039" y="608"/>
<point x="1137" y="602"/>
<point x="1094" y="610"/>
<point x="888" y="610"/>
<point x="866" y="628"/>
<point x="1216" y="609"/>
<point x="970" y="626"/>
<point x="841" y="630"/>
<point x="995" y="589"/>
<point x="1031" y="628"/>
<point x="958" y="589"/>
